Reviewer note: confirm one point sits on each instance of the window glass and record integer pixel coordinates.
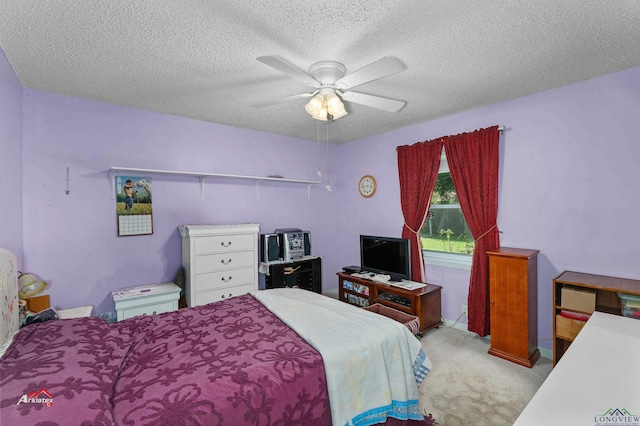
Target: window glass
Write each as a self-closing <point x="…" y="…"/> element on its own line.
<point x="445" y="230"/>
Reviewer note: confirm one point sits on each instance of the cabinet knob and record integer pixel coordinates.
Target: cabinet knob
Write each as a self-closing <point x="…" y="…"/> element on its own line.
<point x="154" y="312"/>
<point x="223" y="244"/>
<point x="226" y="280"/>
<point x="225" y="262"/>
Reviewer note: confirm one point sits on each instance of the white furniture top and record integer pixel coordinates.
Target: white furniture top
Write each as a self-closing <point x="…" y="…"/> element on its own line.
<point x="144" y="290"/>
<point x="597" y="379"/>
<point x="82" y="311"/>
<point x="203" y="230"/>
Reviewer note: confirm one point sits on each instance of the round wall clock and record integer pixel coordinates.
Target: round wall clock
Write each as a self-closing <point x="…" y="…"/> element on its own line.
<point x="367" y="186"/>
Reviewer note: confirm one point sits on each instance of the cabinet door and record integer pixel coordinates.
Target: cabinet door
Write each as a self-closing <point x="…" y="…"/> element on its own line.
<point x="509" y="305"/>
<point x="513" y="305"/>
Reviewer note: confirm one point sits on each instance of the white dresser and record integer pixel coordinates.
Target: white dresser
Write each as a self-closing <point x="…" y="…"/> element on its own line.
<point x="220" y="261"/>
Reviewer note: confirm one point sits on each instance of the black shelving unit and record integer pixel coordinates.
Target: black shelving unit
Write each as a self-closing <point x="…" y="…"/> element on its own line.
<point x="304" y="273"/>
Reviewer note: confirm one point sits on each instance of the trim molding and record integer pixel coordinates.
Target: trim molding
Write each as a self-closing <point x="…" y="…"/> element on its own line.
<point x="544" y="352"/>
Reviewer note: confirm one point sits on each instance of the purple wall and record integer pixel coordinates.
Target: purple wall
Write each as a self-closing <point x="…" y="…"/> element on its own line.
<point x="568" y="183"/>
<point x="10" y="159"/>
<point x="71" y="240"/>
<point x="568" y="187"/>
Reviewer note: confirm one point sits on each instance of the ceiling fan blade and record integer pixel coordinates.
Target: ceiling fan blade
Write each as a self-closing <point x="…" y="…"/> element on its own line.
<point x="375" y="70"/>
<point x="386" y="104"/>
<point x="282" y="100"/>
<point x="289" y="69"/>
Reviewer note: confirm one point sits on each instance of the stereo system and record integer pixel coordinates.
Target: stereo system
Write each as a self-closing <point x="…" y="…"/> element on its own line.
<point x="285" y="244"/>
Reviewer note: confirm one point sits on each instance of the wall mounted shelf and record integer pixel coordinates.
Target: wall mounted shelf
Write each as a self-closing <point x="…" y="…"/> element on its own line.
<point x="202" y="176"/>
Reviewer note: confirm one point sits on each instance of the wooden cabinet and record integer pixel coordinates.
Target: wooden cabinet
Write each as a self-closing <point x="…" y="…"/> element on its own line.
<point x="513" y="304"/>
<point x="605" y="291"/>
<point x="303" y="273"/>
<point x="220" y="261"/>
<point x="424" y="302"/>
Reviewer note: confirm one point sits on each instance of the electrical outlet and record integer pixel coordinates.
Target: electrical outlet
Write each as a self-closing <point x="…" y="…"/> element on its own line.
<point x="464" y="310"/>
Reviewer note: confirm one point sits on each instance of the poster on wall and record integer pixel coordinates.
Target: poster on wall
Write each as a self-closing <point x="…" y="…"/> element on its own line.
<point x="133" y="205"/>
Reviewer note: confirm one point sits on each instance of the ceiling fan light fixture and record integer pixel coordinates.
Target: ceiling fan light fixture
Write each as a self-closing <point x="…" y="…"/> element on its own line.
<point x="314" y="106"/>
<point x="322" y="114"/>
<point x="321" y="106"/>
<point x="334" y="104"/>
<point x="333" y="87"/>
<point x="340" y="114"/>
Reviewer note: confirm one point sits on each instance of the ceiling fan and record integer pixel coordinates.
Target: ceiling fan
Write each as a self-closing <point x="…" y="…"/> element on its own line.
<point x="332" y="86"/>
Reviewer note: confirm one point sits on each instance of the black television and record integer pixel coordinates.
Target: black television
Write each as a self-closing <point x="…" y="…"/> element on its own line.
<point x="386" y="255"/>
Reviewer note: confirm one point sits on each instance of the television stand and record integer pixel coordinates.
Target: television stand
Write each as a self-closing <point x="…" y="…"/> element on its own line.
<point x="423" y="302"/>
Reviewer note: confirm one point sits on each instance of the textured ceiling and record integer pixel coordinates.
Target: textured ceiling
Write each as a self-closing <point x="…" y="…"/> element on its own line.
<point x="197" y="58"/>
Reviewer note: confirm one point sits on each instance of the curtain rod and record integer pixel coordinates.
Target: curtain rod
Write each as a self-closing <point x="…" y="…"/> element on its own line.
<point x="500" y="129"/>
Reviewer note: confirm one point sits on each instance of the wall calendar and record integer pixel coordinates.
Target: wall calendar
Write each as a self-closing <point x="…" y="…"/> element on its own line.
<point x="133" y="205"/>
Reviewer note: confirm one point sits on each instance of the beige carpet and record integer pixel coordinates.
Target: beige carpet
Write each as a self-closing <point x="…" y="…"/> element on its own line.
<point x="467" y="386"/>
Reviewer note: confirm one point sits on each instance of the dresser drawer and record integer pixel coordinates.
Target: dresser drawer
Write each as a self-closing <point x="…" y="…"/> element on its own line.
<point x="224" y="279"/>
<point x="224" y="243"/>
<point x="205" y="297"/>
<point x="222" y="261"/>
<point x="158" y="308"/>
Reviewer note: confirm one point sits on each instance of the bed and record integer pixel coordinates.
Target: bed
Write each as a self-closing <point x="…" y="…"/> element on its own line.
<point x="596" y="380"/>
<point x="282" y="356"/>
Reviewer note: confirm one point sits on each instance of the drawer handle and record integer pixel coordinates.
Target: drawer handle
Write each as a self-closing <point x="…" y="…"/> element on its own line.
<point x="226" y="280"/>
<point x="225" y="245"/>
<point x="225" y="262"/>
<point x="222" y="297"/>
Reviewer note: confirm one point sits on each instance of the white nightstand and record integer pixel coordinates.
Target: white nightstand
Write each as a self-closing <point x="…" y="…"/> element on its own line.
<point x="146" y="300"/>
<point x="82" y="311"/>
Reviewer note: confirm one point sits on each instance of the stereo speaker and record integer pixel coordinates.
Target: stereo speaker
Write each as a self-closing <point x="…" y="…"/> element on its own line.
<point x="270" y="247"/>
<point x="307" y="243"/>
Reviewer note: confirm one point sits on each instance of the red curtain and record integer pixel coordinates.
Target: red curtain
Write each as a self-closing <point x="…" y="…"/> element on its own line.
<point x="473" y="163"/>
<point x="418" y="166"/>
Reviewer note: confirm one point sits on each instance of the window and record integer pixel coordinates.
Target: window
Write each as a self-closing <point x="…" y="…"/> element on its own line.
<point x="445" y="235"/>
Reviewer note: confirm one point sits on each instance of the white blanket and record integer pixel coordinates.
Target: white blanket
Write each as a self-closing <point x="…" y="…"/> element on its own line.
<point x="373" y="364"/>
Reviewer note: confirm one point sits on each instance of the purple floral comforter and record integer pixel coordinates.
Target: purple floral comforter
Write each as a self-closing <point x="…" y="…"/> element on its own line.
<point x="231" y="362"/>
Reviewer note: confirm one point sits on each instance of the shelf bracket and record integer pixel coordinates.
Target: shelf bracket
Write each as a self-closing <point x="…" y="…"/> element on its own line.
<point x="113" y="184"/>
<point x="201" y="179"/>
